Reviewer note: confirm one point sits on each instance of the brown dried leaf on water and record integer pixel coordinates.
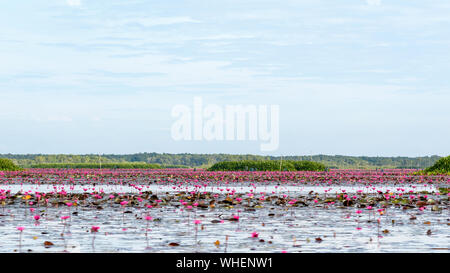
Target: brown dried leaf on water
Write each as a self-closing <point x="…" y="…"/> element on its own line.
<point x="48" y="243"/>
<point x="429" y="232"/>
<point x="421" y="203"/>
<point x="386" y="231"/>
<point x="427" y="223"/>
<point x="217" y="243"/>
<point x="174" y="244"/>
<point x="319" y="240"/>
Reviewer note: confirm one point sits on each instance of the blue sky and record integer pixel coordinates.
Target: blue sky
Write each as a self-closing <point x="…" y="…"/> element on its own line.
<point x="351" y="77"/>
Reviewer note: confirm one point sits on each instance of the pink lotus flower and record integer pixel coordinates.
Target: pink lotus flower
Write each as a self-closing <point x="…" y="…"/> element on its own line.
<point x="197" y="222"/>
<point x="20" y="229"/>
<point x="255" y="235"/>
<point x="37" y="217"/>
<point x="95" y="228"/>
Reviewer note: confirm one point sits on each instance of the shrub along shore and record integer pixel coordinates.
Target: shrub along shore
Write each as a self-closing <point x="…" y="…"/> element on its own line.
<point x="8" y="165"/>
<point x="442" y="166"/>
<point x="268" y="165"/>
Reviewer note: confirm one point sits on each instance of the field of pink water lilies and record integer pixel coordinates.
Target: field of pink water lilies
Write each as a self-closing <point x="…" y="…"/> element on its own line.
<point x="181" y="210"/>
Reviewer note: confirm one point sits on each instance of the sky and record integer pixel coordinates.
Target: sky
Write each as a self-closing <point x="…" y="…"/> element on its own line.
<point x="350" y="77"/>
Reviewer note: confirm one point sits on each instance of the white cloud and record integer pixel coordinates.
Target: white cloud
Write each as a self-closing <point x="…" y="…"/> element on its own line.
<point x="373" y="2"/>
<point x="73" y="3"/>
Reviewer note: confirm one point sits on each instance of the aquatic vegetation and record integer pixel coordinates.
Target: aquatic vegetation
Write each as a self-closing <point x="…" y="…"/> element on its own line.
<point x="20" y="229"/>
<point x="94" y="230"/>
<point x="247" y="210"/>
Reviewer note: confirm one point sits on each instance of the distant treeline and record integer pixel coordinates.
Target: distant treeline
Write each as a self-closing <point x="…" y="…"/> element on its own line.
<point x="207" y="160"/>
<point x="97" y="166"/>
<point x="267" y="165"/>
<point x="105" y="166"/>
